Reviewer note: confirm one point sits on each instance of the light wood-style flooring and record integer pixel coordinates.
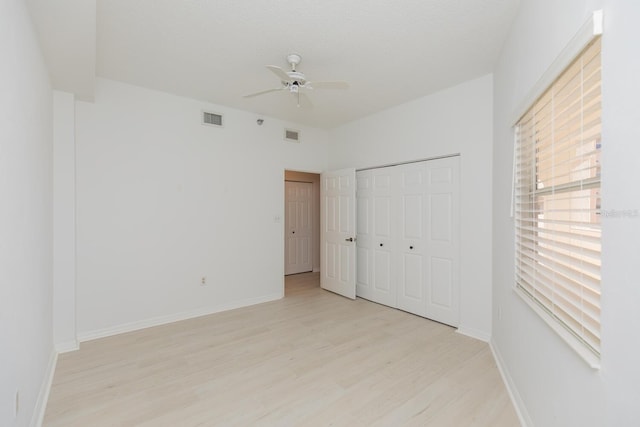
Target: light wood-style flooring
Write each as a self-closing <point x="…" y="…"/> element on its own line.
<point x="311" y="359"/>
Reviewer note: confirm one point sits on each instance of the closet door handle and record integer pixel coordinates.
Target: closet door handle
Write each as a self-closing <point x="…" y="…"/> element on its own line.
<point x="410" y="247"/>
<point x="381" y="245"/>
<point x="350" y="239"/>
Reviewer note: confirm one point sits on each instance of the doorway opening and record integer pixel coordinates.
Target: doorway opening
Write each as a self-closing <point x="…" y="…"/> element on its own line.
<point x="301" y="222"/>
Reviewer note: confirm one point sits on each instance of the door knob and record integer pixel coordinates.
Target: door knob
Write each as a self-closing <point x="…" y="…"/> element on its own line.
<point x="410" y="247"/>
<point x="293" y="232"/>
<point x="381" y="245"/>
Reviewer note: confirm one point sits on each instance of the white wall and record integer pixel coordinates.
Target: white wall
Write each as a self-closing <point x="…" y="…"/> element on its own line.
<point x="553" y="386"/>
<point x="456" y="120"/>
<point x="25" y="216"/>
<point x="163" y="200"/>
<point x="620" y="190"/>
<point x="64" y="231"/>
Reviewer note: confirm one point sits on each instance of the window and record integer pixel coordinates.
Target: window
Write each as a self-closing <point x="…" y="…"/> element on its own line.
<point x="557" y="200"/>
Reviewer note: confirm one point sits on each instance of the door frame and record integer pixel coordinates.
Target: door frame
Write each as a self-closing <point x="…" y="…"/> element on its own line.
<point x="296" y="175"/>
<point x="288" y="237"/>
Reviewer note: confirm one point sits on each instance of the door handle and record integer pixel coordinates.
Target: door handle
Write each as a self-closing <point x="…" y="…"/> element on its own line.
<point x="350" y="239"/>
<point x="293" y="232"/>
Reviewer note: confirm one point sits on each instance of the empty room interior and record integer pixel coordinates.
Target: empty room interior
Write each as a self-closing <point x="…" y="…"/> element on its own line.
<point x="301" y="213"/>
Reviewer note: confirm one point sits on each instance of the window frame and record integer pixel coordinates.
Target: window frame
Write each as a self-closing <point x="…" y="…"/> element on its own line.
<point x="587" y="35"/>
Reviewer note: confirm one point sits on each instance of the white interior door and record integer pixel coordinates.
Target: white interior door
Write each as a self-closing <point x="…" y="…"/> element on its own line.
<point x="384" y="213"/>
<point x="338" y="232"/>
<point x="298" y="253"/>
<point x="411" y="243"/>
<point x="364" y="243"/>
<point x="442" y="239"/>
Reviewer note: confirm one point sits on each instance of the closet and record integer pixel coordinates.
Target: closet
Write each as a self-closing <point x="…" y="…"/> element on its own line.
<point x="408" y="235"/>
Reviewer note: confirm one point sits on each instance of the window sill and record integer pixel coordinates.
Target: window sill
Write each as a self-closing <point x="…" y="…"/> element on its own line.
<point x="590" y="358"/>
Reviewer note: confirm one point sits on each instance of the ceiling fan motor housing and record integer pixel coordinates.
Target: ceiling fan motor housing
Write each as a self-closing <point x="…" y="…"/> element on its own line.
<point x="294" y="59"/>
<point x="297" y="76"/>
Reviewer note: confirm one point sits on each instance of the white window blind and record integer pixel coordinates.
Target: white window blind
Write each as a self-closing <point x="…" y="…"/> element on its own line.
<point x="557" y="199"/>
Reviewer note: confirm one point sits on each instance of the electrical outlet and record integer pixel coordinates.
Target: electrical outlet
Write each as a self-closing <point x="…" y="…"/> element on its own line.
<point x="203" y="280"/>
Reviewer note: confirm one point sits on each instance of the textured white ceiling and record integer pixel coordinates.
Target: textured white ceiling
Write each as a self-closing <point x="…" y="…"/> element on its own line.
<point x="215" y="50"/>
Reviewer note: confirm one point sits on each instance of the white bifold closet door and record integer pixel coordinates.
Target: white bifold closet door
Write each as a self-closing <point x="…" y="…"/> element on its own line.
<point x="376" y="243"/>
<point x="408" y="238"/>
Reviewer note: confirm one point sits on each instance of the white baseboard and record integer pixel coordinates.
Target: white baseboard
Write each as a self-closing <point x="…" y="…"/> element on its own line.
<point x="45" y="388"/>
<point x="162" y="320"/>
<point x="66" y="347"/>
<point x="516" y="399"/>
<point x="474" y="333"/>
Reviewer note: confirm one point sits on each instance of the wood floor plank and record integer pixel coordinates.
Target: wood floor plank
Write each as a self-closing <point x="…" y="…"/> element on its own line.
<point x="311" y="359"/>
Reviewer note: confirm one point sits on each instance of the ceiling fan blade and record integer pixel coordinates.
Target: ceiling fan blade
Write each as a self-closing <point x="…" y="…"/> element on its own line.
<point x="329" y="85"/>
<point x="251" y="95"/>
<point x="304" y="101"/>
<point x="282" y="75"/>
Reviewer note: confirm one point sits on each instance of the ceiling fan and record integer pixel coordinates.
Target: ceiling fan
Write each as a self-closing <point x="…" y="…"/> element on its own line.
<point x="296" y="82"/>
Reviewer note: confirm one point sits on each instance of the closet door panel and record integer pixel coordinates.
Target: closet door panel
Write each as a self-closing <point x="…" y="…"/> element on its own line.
<point x="384" y="230"/>
<point x="441" y="273"/>
<point x="364" y="227"/>
<point x="411" y="274"/>
<point x="382" y="274"/>
<point x="442" y="239"/>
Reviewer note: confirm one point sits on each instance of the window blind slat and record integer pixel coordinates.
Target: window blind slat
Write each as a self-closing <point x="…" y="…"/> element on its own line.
<point x="577" y="248"/>
<point x="574" y="268"/>
<point x="582" y="293"/>
<point x="584" y="238"/>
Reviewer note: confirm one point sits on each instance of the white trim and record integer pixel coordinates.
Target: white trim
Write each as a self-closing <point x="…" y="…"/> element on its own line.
<point x="512" y="213"/>
<point x="598" y="22"/>
<point x="162" y="320"/>
<point x="589" y="31"/>
<point x="578" y="346"/>
<point x="408" y="162"/>
<point x="474" y="333"/>
<point x="516" y="399"/>
<point x="66" y="347"/>
<point x="45" y="388"/>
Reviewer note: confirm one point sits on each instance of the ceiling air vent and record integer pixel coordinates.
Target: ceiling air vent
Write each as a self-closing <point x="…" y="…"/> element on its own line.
<point x="211" y="119"/>
<point x="292" y="135"/>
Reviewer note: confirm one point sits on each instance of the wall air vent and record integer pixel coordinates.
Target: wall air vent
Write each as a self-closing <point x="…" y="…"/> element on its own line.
<point x="292" y="135"/>
<point x="211" y="119"/>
